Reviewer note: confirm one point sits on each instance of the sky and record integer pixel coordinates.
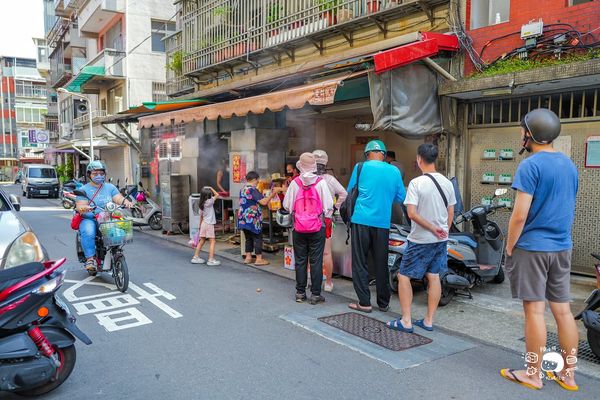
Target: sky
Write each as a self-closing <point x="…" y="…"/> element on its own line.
<point x="20" y="21"/>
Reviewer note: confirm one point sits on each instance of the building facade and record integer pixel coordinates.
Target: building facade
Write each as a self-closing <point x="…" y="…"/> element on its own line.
<point x="532" y="55"/>
<point x="107" y="56"/>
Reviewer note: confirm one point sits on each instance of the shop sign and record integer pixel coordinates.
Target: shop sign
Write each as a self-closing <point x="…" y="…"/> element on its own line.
<point x="324" y="95"/>
<point x="238" y="168"/>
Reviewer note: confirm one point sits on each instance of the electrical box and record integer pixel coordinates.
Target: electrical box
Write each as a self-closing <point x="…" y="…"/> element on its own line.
<point x="532" y="29"/>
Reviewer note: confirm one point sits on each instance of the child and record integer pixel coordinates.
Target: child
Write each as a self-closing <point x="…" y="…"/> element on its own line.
<point x="208" y="195"/>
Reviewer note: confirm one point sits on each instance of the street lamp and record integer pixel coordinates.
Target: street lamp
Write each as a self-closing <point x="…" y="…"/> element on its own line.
<point x="81" y="96"/>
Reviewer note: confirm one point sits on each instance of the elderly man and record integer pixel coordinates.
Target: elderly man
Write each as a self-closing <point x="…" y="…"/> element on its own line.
<point x="379" y="185"/>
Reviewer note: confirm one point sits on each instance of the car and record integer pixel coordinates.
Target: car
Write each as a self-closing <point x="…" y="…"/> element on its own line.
<point x="18" y="243"/>
<point x="39" y="180"/>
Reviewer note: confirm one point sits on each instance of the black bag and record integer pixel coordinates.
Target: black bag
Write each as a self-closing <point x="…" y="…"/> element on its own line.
<point x="347" y="207"/>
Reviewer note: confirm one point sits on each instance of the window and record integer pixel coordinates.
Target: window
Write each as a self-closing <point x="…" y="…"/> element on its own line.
<point x="159" y="92"/>
<point x="116" y="103"/>
<point x="30" y="115"/>
<point x="489" y="12"/>
<point x="28" y="89"/>
<point x="169" y="149"/>
<point x="578" y="2"/>
<point x="160" y="29"/>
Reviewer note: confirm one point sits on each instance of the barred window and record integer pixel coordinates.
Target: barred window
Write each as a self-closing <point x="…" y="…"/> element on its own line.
<point x="159" y="92"/>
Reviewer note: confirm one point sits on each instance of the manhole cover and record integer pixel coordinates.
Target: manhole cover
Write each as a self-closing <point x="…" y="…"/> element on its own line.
<point x="375" y="331"/>
<point x="584" y="352"/>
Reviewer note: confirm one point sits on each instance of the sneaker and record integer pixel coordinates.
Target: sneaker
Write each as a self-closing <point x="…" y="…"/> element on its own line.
<point x="328" y="287"/>
<point x="316" y="299"/>
<point x="90" y="265"/>
<point x="213" y="263"/>
<point x="197" y="260"/>
<point x="300" y="297"/>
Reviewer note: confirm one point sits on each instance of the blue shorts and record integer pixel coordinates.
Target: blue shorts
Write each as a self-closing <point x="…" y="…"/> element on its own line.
<point x="421" y="259"/>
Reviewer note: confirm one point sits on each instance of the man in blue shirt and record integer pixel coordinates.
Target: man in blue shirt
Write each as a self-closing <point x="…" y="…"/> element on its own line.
<point x="538" y="249"/>
<point x="379" y="186"/>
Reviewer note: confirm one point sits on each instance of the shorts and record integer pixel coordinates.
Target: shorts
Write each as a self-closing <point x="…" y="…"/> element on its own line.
<point x="207" y="231"/>
<point x="421" y="259"/>
<point x="539" y="276"/>
<point x="328" y="228"/>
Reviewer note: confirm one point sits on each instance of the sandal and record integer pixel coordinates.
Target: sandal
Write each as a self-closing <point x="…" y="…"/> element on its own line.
<point x="261" y="263"/>
<point x="509" y="374"/>
<point x="358" y="307"/>
<point x="248" y="261"/>
<point x="397" y="325"/>
<point x="421" y="324"/>
<point x="551" y="375"/>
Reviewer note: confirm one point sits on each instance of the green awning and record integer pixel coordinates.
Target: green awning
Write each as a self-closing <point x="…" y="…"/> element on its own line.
<point x="84" y="76"/>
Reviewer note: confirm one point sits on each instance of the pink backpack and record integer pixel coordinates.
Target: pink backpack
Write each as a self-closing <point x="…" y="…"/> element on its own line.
<point x="308" y="209"/>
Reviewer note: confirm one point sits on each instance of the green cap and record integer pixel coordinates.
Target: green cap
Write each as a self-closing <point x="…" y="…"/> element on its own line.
<point x="375" y="145"/>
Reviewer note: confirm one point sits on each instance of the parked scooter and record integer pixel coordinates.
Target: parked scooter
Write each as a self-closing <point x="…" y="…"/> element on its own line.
<point x="145" y="211"/>
<point x="473" y="258"/>
<point x="37" y="343"/>
<point x="591" y="313"/>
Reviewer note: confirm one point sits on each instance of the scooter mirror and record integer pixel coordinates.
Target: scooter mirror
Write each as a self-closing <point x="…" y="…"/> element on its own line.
<point x="501" y="192"/>
<point x="111" y="207"/>
<point x="80" y="193"/>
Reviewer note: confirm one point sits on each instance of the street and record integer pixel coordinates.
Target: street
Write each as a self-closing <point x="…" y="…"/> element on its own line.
<point x="186" y="331"/>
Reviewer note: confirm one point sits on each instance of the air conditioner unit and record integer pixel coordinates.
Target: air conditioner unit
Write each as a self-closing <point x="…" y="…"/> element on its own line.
<point x="65" y="130"/>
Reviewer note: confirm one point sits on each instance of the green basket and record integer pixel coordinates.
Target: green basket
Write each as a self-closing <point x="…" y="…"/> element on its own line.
<point x="116" y="233"/>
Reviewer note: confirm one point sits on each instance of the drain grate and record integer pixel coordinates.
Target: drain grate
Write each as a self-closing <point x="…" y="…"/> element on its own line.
<point x="375" y="331"/>
<point x="584" y="352"/>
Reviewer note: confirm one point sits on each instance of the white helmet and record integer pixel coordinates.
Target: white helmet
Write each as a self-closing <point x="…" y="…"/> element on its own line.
<point x="283" y="218"/>
<point x="321" y="157"/>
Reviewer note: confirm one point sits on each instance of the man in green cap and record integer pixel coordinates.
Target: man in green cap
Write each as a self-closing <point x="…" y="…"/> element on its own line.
<point x="379" y="186"/>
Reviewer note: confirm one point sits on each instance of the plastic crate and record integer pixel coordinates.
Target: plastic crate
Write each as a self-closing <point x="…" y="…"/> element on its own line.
<point x="117" y="233"/>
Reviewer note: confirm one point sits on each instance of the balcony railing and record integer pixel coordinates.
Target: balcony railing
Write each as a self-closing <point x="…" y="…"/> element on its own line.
<point x="61" y="26"/>
<point x="216" y="31"/>
<point x="34" y="92"/>
<point x="84" y="120"/>
<point x="177" y="83"/>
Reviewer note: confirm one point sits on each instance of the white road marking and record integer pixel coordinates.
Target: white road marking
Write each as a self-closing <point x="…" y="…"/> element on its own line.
<point x="41" y="209"/>
<point x="92" y="306"/>
<point x="131" y="314"/>
<point x="152" y="298"/>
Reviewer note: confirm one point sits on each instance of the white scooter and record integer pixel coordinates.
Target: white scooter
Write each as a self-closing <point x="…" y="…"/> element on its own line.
<point x="145" y="211"/>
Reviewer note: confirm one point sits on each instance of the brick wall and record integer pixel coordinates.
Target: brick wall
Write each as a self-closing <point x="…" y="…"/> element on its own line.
<point x="584" y="17"/>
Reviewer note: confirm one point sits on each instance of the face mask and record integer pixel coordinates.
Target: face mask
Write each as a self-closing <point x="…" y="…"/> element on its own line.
<point x="99" y="179"/>
<point x="289" y="174"/>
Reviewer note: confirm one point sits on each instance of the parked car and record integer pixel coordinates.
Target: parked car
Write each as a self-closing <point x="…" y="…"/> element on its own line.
<point x="18" y="242"/>
<point x="40" y="180"/>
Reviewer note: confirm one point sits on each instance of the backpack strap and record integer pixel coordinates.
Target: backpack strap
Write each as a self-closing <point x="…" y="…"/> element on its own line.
<point x="358" y="170"/>
<point x="439" y="188"/>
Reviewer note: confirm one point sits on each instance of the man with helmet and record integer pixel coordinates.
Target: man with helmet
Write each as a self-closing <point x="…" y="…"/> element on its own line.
<point x="340" y="194"/>
<point x="101" y="192"/>
<point x="538" y="247"/>
<point x="379" y="186"/>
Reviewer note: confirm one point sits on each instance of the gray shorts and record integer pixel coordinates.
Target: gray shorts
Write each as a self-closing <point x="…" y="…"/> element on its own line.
<point x="539" y="276"/>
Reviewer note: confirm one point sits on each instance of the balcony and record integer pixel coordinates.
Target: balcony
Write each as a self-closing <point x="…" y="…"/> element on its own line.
<point x="65" y="61"/>
<point x="177" y="84"/>
<point x="32" y="92"/>
<point x="84" y="120"/>
<point x="95" y="14"/>
<point x="107" y="66"/>
<point x="217" y="33"/>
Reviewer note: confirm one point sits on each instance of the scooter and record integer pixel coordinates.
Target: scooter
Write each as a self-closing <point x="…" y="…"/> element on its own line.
<point x="145" y="211"/>
<point x="67" y="197"/>
<point x="37" y="330"/>
<point x="591" y="313"/>
<point x="112" y="233"/>
<point x="473" y="258"/>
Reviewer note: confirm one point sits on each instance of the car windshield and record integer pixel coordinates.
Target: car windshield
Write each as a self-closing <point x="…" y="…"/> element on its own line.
<point x="42" y="173"/>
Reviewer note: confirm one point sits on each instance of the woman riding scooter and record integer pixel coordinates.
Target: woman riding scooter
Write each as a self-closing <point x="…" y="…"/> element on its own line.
<point x="101" y="193"/>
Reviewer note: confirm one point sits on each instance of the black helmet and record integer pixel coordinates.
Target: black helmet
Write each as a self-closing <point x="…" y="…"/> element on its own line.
<point x="542" y="124"/>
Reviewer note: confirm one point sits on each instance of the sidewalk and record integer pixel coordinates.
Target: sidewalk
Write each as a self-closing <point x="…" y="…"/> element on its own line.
<point x="492" y="316"/>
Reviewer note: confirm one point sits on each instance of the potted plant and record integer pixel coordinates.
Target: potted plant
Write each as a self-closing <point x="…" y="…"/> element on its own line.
<point x="373" y="6"/>
<point x="176" y="64"/>
<point x="221" y="14"/>
<point x="273" y="16"/>
<point x="328" y="10"/>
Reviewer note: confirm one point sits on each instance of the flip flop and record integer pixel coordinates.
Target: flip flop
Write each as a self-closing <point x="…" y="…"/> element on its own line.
<point x="421" y="324"/>
<point x="571" y="388"/>
<point x="358" y="307"/>
<point x="261" y="263"/>
<point x="396" y="325"/>
<point x="513" y="378"/>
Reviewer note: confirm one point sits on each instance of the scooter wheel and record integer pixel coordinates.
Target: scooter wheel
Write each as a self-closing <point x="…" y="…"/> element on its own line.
<point x="66" y="205"/>
<point x="67" y="357"/>
<point x="447" y="296"/>
<point x="593" y="338"/>
<point x="156" y="221"/>
<point x="500" y="277"/>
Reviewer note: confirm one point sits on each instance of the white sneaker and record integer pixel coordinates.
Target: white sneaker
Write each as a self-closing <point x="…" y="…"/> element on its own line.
<point x="328" y="288"/>
<point x="197" y="260"/>
<point x="213" y="263"/>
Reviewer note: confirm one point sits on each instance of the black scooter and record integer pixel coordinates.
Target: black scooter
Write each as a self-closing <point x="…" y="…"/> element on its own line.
<point x="37" y="331"/>
<point x="591" y="314"/>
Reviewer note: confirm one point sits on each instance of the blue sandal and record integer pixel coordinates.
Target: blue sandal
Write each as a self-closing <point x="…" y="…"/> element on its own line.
<point x="421" y="324"/>
<point x="396" y="325"/>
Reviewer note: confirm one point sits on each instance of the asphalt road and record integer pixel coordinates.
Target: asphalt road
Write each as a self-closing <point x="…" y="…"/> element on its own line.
<point x="185" y="331"/>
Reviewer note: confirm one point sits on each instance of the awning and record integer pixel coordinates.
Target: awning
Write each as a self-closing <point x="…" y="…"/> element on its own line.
<point x="316" y="94"/>
<point x="151" y="108"/>
<point x="86" y="73"/>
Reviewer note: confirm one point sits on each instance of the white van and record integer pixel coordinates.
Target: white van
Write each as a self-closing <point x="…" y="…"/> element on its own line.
<point x="39" y="180"/>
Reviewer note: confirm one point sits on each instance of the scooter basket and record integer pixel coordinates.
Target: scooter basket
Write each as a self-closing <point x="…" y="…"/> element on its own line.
<point x="116" y="233"/>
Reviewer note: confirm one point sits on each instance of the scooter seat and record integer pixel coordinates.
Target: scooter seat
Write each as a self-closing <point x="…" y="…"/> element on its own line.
<point x="464" y="239"/>
<point x="11" y="276"/>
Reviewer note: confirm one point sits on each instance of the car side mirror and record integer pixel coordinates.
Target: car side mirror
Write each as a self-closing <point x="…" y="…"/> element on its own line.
<point x="15" y="201"/>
